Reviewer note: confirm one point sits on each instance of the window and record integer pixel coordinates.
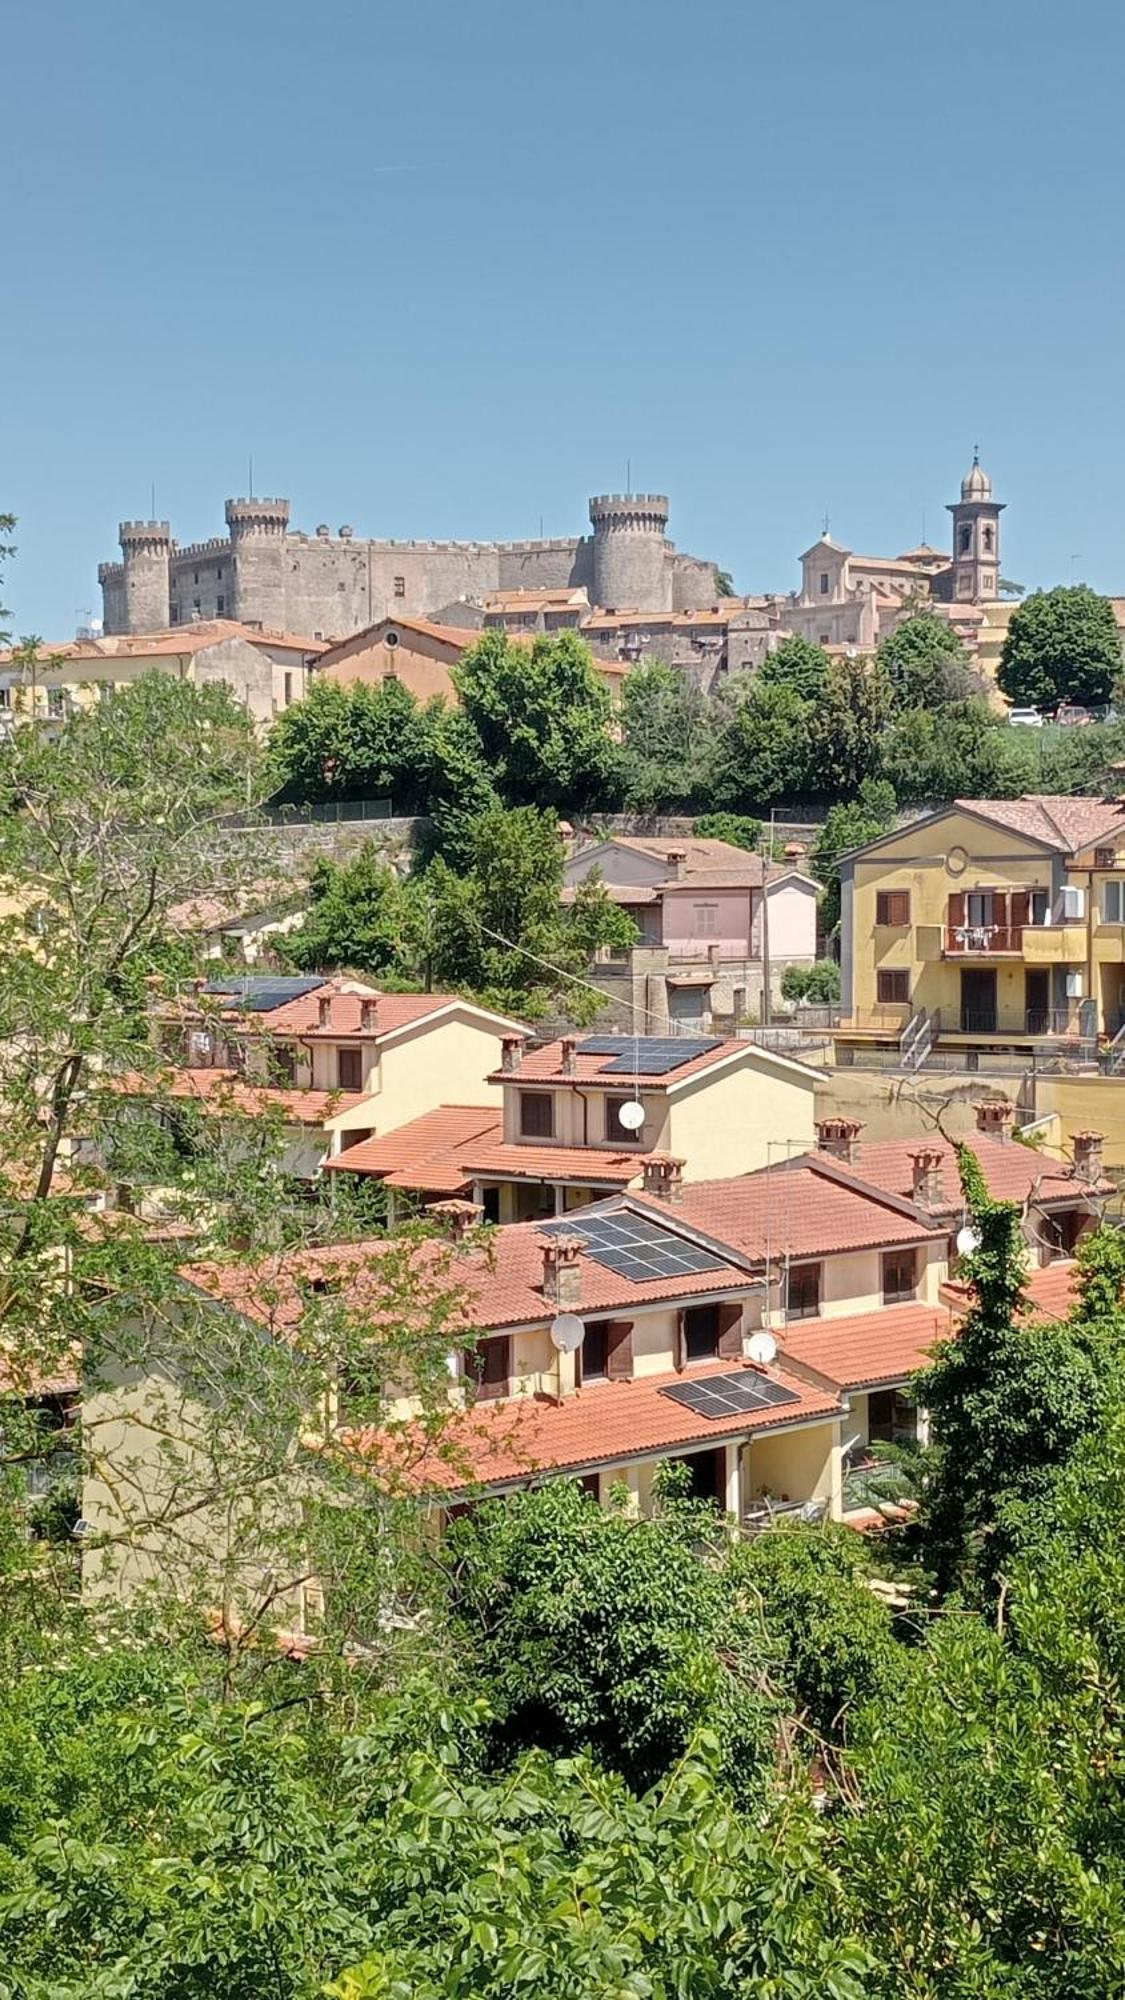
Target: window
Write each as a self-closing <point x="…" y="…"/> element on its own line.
<point x="593" y="1355"/>
<point x="705" y="917"/>
<point x="964" y="538"/>
<point x="400" y="586"/>
<point x="892" y="907"/>
<point x="892" y="988"/>
<point x="283" y="1067"/>
<point x="1113" y="902"/>
<point x="220" y="604"/>
<point x="988" y="537"/>
<point x="196" y="606"/>
<point x="890" y="1418"/>
<point x="802" y="1294"/>
<point x="701" y="1333"/>
<point x="1103" y="857"/>
<point x="489" y="1367"/>
<point x="614" y="1129"/>
<point x="349" y="1069"/>
<point x="288" y="689"/>
<point x="56" y="701"/>
<point x="979" y="906"/>
<point x="899" y="1276"/>
<point x="5" y="697"/>
<point x="537" y="1114"/>
<point x="174" y="613"/>
<point x="1039" y="906"/>
<point x="824" y="583"/>
<point x="195" y="576"/>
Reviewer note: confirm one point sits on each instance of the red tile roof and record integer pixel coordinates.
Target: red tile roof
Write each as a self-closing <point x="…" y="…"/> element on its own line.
<point x="1012" y="1172"/>
<point x="516" y="1161"/>
<point x="229" y="1090"/>
<point x="394" y="1010"/>
<point x="792" y="1209"/>
<point x="1054" y="818"/>
<point x="1049" y="1292"/>
<point x="427" y="1153"/>
<point x="545" y="1065"/>
<point x="606" y="1423"/>
<point x="860" y="1352"/>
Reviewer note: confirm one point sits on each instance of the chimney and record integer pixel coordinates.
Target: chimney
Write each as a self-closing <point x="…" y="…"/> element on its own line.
<point x="663" y="1176"/>
<point x="676" y="857"/>
<point x="1088" y="1162"/>
<point x="839" y="1138"/>
<point x="511" y="1049"/>
<point x="994" y="1116"/>
<point x="927" y="1188"/>
<point x="457" y="1219"/>
<point x="369" y="1017"/>
<point x="567" y="1064"/>
<point x="562" y="1276"/>
<point x="324" y="1010"/>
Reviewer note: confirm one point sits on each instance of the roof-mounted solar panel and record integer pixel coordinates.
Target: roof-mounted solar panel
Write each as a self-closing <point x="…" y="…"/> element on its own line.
<point x="635" y="1248"/>
<point x="260" y="993"/>
<point x="730" y="1395"/>
<point x="647" y="1055"/>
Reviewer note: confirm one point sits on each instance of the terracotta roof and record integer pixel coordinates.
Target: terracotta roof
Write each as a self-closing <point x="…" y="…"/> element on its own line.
<point x="1049" y="1292"/>
<point x="515" y="1160"/>
<point x="794" y="1210"/>
<point x="1059" y="821"/>
<point x="229" y="1090"/>
<point x="627" y="893"/>
<point x="1012" y="1172"/>
<point x="884" y="1346"/>
<point x="545" y="1066"/>
<point x="427" y="1153"/>
<point x="569" y="598"/>
<point x="189" y="638"/>
<point x="700" y="851"/>
<point x="500" y="1283"/>
<point x="603" y="1424"/>
<point x="395" y="1010"/>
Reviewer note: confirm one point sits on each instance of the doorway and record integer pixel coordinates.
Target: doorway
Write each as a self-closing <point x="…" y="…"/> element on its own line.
<point x="1037" y="1002"/>
<point x="978" y="1001"/>
<point x="708" y="1473"/>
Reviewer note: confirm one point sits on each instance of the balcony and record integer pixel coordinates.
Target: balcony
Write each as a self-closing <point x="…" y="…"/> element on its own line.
<point x="984" y="940"/>
<point x="1054" y="944"/>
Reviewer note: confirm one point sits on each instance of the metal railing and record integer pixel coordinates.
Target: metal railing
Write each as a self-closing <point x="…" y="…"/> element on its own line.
<point x="982" y="940"/>
<point x="327" y="811"/>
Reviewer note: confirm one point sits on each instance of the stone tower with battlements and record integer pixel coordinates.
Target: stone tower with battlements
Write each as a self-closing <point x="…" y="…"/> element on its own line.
<point x="630" y="551"/>
<point x="324" y="585"/>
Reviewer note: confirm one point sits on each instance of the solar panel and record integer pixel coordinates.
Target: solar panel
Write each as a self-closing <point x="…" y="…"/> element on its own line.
<point x="635" y="1248"/>
<point x="730" y="1395"/>
<point x="260" y="993"/>
<point x="647" y="1055"/>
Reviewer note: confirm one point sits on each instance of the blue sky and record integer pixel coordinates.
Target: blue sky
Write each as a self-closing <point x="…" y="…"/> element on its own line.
<point x="445" y="269"/>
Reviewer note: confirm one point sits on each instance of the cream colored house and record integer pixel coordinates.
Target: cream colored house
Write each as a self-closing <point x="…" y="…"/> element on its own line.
<point x="266" y="670"/>
<point x="419" y="653"/>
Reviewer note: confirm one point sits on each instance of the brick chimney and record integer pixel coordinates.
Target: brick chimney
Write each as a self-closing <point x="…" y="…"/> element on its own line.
<point x="994" y="1115"/>
<point x="663" y="1176"/>
<point x="676" y="857"/>
<point x="457" y="1219"/>
<point x="1089" y="1164"/>
<point x="511" y="1049"/>
<point x="324" y="1010"/>
<point x="569" y="1048"/>
<point x="927" y="1188"/>
<point x="369" y="1017"/>
<point x="839" y="1138"/>
<point x="562" y="1276"/>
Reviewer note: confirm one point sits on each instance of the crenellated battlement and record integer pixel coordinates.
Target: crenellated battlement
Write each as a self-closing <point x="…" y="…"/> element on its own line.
<point x="256" y="517"/>
<point x="111" y="572"/>
<point x="216" y="545"/>
<point x="149" y="536"/>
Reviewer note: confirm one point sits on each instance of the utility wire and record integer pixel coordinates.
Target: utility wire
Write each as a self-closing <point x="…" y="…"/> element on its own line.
<point x="561" y="972"/>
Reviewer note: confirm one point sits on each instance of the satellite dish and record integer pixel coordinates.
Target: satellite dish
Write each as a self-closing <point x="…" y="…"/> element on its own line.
<point x="631" y="1115"/>
<point x="967" y="1241"/>
<point x="567" y="1332"/>
<point x="762" y="1349"/>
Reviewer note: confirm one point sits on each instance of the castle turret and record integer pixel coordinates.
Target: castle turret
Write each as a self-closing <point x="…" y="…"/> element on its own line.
<point x="146" y="548"/>
<point x="258" y="529"/>
<point x="630" y="565"/>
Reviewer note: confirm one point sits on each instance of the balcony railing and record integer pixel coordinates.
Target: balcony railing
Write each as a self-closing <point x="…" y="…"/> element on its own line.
<point x="983" y="940"/>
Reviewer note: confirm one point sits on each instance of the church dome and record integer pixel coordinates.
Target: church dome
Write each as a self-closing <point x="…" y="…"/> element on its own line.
<point x="976" y="484"/>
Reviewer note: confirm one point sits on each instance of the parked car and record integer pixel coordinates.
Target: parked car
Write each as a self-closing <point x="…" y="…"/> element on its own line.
<point x="1072" y="715"/>
<point x="1026" y="718"/>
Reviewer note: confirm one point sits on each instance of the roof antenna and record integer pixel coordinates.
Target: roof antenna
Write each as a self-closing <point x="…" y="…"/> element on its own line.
<point x="250" y="495"/>
<point x="152" y="500"/>
<point x="628" y="475"/>
<point x="824" y="529"/>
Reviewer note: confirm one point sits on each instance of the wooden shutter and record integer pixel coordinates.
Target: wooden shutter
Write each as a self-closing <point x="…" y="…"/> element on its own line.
<point x="680" y="1343"/>
<point x="957" y="908"/>
<point x="730" y="1328"/>
<point x="619" y="1357"/>
<point x="1021" y="907"/>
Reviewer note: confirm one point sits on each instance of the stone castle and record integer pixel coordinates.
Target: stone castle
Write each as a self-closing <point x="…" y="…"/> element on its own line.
<point x="265" y="573"/>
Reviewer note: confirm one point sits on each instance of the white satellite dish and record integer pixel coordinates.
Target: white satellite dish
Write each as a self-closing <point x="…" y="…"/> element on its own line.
<point x="761" y="1349"/>
<point x="967" y="1241"/>
<point x="631" y="1115"/>
<point x="567" y="1332"/>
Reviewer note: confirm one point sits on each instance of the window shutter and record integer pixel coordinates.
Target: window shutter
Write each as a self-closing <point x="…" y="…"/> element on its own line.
<point x="730" y="1328"/>
<point x="1021" y="907"/>
<point x="957" y="908"/>
<point x="681" y="1342"/>
<point x="619" y="1358"/>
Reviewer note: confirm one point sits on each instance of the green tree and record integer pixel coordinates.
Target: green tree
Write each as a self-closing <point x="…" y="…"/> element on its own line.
<point x="355" y="920"/>
<point x="359" y="741"/>
<point x="847" y="723"/>
<point x="1061" y="645"/>
<point x="735" y="828"/>
<point x="926" y="664"/>
<point x="543" y="719"/>
<point x="666" y="737"/>
<point x="462" y="789"/>
<point x="819" y="983"/>
<point x="798" y="664"/>
<point x="834" y="1634"/>
<point x="961" y="750"/>
<point x="7" y="523"/>
<point x="761" y="752"/>
<point x="846" y="827"/>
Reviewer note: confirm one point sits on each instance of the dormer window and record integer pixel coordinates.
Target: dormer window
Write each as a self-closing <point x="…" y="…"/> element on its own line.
<point x="537" y="1114"/>
<point x="621" y="1135"/>
<point x="349" y="1069"/>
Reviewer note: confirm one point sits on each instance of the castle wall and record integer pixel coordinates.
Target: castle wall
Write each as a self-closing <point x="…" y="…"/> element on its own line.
<point x="202" y="582"/>
<point x="692" y="581"/>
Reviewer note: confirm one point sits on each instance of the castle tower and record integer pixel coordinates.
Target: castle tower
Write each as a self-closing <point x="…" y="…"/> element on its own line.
<point x="257" y="530"/>
<point x="630" y="566"/>
<point x="976" y="538"/>
<point x="146" y="548"/>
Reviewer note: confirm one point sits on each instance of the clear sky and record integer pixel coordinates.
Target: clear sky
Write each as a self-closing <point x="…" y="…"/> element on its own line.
<point x="447" y="268"/>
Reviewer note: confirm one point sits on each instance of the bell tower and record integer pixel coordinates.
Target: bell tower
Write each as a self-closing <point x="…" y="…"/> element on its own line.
<point x="976" y="538"/>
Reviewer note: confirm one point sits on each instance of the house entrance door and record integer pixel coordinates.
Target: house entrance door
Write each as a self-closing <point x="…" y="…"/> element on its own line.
<point x="978" y="1001"/>
<point x="1037" y="1002"/>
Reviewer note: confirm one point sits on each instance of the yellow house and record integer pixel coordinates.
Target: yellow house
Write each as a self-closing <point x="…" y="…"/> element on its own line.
<point x="266" y="670"/>
<point x="991" y="922"/>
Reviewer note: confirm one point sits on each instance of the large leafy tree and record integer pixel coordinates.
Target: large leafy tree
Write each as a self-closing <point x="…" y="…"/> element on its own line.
<point x="761" y="752"/>
<point x="845" y="827"/>
<point x="1061" y="645"/>
<point x="358" y="741"/>
<point x="798" y="664"/>
<point x="961" y="750"/>
<point x="666" y="727"/>
<point x="846" y="727"/>
<point x="355" y="919"/>
<point x="543" y="719"/>
<point x="926" y="664"/>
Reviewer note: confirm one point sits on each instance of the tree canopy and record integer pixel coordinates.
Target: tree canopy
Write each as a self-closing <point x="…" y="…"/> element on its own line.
<point x="1061" y="645"/>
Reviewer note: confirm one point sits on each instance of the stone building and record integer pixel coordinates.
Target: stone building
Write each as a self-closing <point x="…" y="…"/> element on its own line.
<point x="263" y="572"/>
